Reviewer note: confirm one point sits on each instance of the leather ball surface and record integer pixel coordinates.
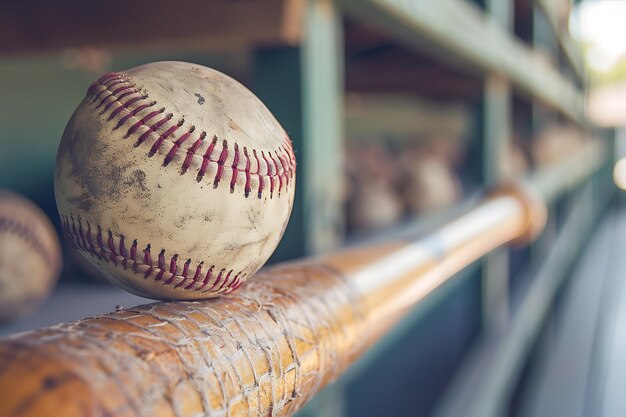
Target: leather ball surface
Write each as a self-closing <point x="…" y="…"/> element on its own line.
<point x="174" y="180"/>
<point x="30" y="256"/>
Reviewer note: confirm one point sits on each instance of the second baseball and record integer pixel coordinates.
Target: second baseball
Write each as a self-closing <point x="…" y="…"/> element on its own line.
<point x="30" y="256"/>
<point x="174" y="180"/>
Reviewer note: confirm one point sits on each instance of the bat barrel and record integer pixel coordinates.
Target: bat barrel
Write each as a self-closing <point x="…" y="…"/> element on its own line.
<point x="264" y="350"/>
<point x="267" y="348"/>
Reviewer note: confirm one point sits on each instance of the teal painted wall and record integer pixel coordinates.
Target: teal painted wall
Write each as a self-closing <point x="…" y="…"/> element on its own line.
<point x="37" y="98"/>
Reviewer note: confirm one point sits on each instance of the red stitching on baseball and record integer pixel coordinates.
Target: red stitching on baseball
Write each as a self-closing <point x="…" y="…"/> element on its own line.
<point x="126" y="88"/>
<point x="280" y="178"/>
<point x="192" y="151"/>
<point x="289" y="151"/>
<point x="220" y="164"/>
<point x="205" y="159"/>
<point x="233" y="178"/>
<point x="217" y="280"/>
<point x="93" y="87"/>
<point x="225" y="280"/>
<point x="123" y="252"/>
<point x="133" y="254"/>
<point x="129" y="91"/>
<point x="133" y="113"/>
<point x="143" y="122"/>
<point x="99" y="240"/>
<point x="184" y="274"/>
<point x="114" y="82"/>
<point x="157" y="144"/>
<point x="110" y="90"/>
<point x="194" y="279"/>
<point x="89" y="241"/>
<point x="161" y="265"/>
<point x="269" y="173"/>
<point x="112" y="255"/>
<point x="233" y="285"/>
<point x="207" y="278"/>
<point x="170" y="155"/>
<point x="147" y="260"/>
<point x="247" y="186"/>
<point x="153" y="128"/>
<point x="118" y="109"/>
<point x="236" y="285"/>
<point x="24" y="232"/>
<point x="258" y="164"/>
<point x="113" y="250"/>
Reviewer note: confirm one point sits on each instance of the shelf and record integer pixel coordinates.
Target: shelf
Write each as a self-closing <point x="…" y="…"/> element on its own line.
<point x="376" y="64"/>
<point x="455" y="30"/>
<point x="458" y="32"/>
<point x="39" y="26"/>
<point x="400" y="118"/>
<point x="552" y="182"/>
<point x="371" y="69"/>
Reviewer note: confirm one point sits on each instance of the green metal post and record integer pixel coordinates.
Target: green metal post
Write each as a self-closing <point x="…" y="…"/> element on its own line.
<point x="277" y="82"/>
<point x="496" y="136"/>
<point x="303" y="87"/>
<point x="322" y="70"/>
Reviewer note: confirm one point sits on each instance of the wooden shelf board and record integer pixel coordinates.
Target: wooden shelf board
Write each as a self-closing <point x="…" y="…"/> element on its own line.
<point x="39" y="26"/>
<point x="374" y="63"/>
<point x="459" y="32"/>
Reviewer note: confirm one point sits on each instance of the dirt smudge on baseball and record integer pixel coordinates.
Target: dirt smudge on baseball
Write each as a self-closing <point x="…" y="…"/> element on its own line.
<point x="84" y="201"/>
<point x="233" y="125"/>
<point x="137" y="182"/>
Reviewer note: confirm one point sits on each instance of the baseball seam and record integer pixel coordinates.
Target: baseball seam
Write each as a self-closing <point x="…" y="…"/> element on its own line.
<point x="8" y="225"/>
<point x="113" y="248"/>
<point x="115" y="94"/>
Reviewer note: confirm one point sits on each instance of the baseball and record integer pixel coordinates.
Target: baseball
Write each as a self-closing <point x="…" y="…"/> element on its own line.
<point x="174" y="180"/>
<point x="30" y="256"/>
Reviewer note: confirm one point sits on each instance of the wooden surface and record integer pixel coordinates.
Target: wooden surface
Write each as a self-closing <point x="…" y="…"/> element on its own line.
<point x="460" y="33"/>
<point x="40" y="26"/>
<point x="62" y="306"/>
<point x="376" y="62"/>
<point x="265" y="349"/>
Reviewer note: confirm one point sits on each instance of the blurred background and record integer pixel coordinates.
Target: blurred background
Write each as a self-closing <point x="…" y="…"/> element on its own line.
<point x="401" y="113"/>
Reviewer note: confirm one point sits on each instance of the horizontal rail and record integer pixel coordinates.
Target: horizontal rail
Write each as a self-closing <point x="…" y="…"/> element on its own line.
<point x="555" y="180"/>
<point x="265" y="349"/>
<point x="572" y="52"/>
<point x="456" y="29"/>
<point x="485" y="386"/>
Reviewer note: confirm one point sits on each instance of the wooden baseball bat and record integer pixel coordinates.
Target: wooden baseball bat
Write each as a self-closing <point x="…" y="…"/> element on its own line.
<point x="265" y="349"/>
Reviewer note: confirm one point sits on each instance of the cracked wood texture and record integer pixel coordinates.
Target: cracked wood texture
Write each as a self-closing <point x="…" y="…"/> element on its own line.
<point x="264" y="350"/>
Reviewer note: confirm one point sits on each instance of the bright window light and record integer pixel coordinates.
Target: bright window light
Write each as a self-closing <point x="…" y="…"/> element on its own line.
<point x="619" y="173"/>
<point x="601" y="26"/>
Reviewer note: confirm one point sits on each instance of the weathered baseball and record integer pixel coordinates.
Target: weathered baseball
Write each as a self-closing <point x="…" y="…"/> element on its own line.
<point x="30" y="256"/>
<point x="174" y="180"/>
